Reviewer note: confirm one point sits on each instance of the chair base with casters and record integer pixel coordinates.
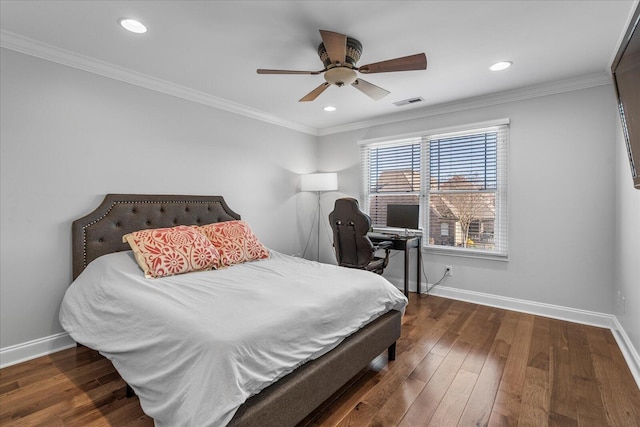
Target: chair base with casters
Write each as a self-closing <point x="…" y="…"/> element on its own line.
<point x="352" y="246"/>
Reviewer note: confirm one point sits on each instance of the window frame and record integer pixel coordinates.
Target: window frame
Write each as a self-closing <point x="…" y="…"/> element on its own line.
<point x="501" y="226"/>
<point x="366" y="171"/>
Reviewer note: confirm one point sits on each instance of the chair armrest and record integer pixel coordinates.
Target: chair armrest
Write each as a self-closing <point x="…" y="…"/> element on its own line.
<point x="383" y="245"/>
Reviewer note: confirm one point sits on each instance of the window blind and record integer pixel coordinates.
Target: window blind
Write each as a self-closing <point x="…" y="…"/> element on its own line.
<point x="466" y="191"/>
<point x="391" y="176"/>
<point x="459" y="179"/>
<point x="472" y="159"/>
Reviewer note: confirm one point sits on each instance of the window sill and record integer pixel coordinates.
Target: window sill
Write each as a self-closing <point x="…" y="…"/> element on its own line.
<point x="464" y="253"/>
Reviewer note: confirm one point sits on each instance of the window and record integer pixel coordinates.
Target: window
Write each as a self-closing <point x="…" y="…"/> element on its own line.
<point x="393" y="177"/>
<point x="457" y="177"/>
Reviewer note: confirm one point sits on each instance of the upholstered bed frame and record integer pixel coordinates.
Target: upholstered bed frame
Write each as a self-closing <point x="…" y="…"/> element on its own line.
<point x="293" y="397"/>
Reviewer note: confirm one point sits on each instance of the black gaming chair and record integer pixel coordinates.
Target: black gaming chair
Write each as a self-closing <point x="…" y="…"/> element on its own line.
<point x="352" y="246"/>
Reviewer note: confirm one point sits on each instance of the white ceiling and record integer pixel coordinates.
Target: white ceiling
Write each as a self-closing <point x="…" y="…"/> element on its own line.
<point x="210" y="50"/>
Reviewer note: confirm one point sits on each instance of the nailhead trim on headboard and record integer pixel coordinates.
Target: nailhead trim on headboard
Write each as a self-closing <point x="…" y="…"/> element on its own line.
<point x="173" y="210"/>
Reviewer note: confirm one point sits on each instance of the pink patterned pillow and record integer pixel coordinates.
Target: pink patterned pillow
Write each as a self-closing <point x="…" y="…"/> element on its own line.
<point x="168" y="251"/>
<point x="235" y="242"/>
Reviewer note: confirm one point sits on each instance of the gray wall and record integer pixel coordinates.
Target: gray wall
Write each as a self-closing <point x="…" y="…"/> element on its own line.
<point x="68" y="137"/>
<point x="561" y="199"/>
<point x="627" y="247"/>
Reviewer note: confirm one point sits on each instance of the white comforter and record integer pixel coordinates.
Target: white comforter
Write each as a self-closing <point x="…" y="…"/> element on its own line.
<point x="194" y="347"/>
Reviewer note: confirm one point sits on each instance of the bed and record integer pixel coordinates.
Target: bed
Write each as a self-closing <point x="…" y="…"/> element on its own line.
<point x="291" y="395"/>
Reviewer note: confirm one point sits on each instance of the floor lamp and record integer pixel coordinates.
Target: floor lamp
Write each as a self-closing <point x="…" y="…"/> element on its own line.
<point x="319" y="182"/>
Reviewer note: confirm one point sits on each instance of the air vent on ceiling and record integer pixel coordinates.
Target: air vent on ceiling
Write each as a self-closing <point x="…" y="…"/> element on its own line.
<point x="408" y="101"/>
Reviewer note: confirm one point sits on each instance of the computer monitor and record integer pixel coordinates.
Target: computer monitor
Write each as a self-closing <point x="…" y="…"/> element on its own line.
<point x="403" y="216"/>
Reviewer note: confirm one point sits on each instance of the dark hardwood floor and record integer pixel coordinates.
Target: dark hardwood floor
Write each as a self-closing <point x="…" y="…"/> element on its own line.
<point x="457" y="364"/>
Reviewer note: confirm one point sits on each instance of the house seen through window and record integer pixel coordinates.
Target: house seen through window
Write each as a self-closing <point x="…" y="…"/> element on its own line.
<point x="458" y="179"/>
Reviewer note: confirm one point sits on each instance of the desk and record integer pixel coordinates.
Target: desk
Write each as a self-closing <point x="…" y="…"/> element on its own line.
<point x="405" y="244"/>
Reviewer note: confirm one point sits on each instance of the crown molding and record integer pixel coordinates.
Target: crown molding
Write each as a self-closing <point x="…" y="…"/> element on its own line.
<point x="48" y="52"/>
<point x="583" y="82"/>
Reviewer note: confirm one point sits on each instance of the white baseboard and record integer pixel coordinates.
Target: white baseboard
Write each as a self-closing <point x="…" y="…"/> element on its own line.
<point x="628" y="351"/>
<point x="47" y="345"/>
<point x="585" y="317"/>
<point x="524" y="306"/>
<point x="31" y="349"/>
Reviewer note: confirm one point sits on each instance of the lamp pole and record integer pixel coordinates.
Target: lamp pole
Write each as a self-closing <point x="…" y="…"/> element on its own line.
<point x="318" y="226"/>
<point x="319" y="182"/>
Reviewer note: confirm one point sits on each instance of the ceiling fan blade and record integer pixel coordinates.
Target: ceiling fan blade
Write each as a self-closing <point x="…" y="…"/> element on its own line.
<point x="406" y="63"/>
<point x="336" y="46"/>
<point x="315" y="93"/>
<point x="369" y="89"/>
<point x="263" y="71"/>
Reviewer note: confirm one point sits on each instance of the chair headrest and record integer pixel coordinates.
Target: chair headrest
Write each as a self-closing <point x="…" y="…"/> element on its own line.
<point x="347" y="210"/>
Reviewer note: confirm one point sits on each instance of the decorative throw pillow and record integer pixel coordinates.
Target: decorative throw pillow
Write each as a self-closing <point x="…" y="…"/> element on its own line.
<point x="235" y="242"/>
<point x="168" y="251"/>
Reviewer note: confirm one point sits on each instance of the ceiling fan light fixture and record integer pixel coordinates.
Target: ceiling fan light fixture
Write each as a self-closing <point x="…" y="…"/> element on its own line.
<point x="329" y="108"/>
<point x="133" y="25"/>
<point x="340" y="76"/>
<point x="502" y="65"/>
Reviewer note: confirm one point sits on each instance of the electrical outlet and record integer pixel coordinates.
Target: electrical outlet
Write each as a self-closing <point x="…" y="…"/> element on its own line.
<point x="618" y="299"/>
<point x="448" y="271"/>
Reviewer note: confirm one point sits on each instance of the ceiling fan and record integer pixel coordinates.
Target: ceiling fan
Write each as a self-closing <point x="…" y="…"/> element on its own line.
<point x="339" y="54"/>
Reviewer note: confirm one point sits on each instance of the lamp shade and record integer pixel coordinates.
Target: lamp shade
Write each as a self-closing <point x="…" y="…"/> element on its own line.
<point x="319" y="182"/>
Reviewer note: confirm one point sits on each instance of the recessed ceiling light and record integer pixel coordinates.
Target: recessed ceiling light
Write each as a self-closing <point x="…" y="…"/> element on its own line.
<point x="499" y="66"/>
<point x="133" y="25"/>
<point x="329" y="108"/>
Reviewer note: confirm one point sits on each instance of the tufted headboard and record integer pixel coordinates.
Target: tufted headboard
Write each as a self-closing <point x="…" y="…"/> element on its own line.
<point x="101" y="231"/>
